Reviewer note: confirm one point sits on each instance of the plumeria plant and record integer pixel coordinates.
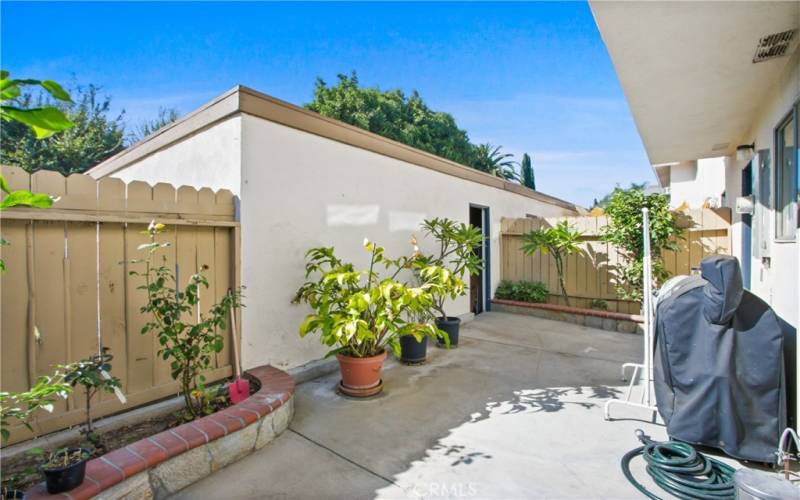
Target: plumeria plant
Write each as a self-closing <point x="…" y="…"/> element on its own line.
<point x="455" y="257"/>
<point x="361" y="313"/>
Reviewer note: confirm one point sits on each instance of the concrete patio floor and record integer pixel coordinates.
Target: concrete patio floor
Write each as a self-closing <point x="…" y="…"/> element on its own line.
<point x="514" y="412"/>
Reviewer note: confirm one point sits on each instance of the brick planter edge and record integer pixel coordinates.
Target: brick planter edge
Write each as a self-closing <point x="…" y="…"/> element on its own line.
<point x="593" y="318"/>
<point x="163" y="464"/>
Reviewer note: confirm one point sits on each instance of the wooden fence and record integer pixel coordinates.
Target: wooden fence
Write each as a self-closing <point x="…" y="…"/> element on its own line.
<point x="67" y="288"/>
<point x="590" y="274"/>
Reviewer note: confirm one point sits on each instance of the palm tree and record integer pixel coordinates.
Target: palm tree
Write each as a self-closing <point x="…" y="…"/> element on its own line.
<point x="491" y="160"/>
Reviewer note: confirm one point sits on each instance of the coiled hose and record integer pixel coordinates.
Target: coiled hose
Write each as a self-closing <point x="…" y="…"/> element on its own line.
<point x="680" y="470"/>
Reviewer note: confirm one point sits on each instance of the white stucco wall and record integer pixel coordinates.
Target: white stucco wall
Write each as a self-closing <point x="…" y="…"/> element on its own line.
<point x="208" y="158"/>
<point x="300" y="190"/>
<point x="695" y="182"/>
<point x="776" y="280"/>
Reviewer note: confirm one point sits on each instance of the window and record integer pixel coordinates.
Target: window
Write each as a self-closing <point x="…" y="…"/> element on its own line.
<point x="786" y="178"/>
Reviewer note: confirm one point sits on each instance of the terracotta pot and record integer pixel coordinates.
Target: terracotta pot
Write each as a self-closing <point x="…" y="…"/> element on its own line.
<point x="361" y="373"/>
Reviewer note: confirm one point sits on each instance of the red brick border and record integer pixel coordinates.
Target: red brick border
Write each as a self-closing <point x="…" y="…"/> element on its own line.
<point x="277" y="387"/>
<point x="573" y="310"/>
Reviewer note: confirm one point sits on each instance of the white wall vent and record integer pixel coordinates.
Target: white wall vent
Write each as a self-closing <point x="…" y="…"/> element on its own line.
<point x="774" y="45"/>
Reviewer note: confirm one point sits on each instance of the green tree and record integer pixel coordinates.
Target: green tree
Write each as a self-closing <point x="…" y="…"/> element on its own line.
<point x="93" y="137"/>
<point x="560" y="241"/>
<point x="392" y="114"/>
<point x="491" y="160"/>
<point x="527" y="178"/>
<point x="624" y="230"/>
<point x="605" y="200"/>
<point x="149" y="127"/>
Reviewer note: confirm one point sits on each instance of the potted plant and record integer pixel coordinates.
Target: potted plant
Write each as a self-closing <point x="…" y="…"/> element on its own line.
<point x="64" y="469"/>
<point x="456" y="255"/>
<point x="360" y="314"/>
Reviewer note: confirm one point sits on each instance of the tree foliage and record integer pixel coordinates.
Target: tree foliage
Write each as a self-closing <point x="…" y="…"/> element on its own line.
<point x="490" y="159"/>
<point x="395" y="115"/>
<point x="624" y="230"/>
<point x="527" y="178"/>
<point x="93" y="137"/>
<point x="149" y="127"/>
<point x="605" y="200"/>
<point x="560" y="241"/>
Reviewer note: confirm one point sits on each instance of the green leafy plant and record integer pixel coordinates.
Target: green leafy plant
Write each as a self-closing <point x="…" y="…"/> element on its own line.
<point x="455" y="257"/>
<point x="624" y="230"/>
<point x="188" y="342"/>
<point x="599" y="304"/>
<point x="94" y="374"/>
<point x="44" y="121"/>
<point x="491" y="160"/>
<point x="523" y="291"/>
<point x="559" y="241"/>
<point x="359" y="313"/>
<point x="20" y="406"/>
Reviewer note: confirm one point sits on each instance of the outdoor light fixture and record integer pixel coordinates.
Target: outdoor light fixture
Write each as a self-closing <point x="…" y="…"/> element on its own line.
<point x="745" y="152"/>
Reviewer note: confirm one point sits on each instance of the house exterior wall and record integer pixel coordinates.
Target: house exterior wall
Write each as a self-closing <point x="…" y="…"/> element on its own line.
<point x="697" y="182"/>
<point x="209" y="158"/>
<point x="775" y="279"/>
<point x="300" y="190"/>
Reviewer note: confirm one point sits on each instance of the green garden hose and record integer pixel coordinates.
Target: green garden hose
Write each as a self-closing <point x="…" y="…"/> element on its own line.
<point x="680" y="470"/>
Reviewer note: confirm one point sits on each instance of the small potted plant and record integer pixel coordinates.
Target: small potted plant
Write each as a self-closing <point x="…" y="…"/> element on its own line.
<point x="64" y="469"/>
<point x="456" y="256"/>
<point x="360" y="314"/>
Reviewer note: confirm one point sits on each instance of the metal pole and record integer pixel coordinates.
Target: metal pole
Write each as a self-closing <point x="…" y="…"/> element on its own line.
<point x="647" y="304"/>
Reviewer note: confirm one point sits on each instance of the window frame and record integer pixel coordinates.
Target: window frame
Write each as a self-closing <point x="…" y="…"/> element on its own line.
<point x="777" y="162"/>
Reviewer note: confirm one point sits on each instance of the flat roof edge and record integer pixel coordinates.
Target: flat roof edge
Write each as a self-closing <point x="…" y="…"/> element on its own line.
<point x="241" y="99"/>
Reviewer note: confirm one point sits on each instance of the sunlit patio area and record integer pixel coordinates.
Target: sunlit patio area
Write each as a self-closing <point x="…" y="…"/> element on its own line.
<point x="515" y="411"/>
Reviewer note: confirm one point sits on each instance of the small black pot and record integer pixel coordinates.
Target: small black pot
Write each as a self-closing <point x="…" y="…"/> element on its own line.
<point x="450" y="326"/>
<point x="66" y="478"/>
<point x="411" y="351"/>
<point x="13" y="494"/>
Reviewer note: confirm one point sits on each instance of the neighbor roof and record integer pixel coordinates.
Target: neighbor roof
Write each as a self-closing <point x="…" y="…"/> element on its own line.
<point x="241" y="99"/>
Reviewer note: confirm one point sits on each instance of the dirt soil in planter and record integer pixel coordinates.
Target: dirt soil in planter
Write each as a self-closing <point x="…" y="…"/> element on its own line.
<point x="112" y="439"/>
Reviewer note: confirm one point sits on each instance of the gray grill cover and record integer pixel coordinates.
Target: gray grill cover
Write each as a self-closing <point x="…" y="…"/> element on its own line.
<point x="718" y="366"/>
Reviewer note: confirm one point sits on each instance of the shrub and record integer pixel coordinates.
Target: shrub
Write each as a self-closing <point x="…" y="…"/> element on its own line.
<point x="523" y="291"/>
<point x="93" y="373"/>
<point x="624" y="230"/>
<point x="188" y="341"/>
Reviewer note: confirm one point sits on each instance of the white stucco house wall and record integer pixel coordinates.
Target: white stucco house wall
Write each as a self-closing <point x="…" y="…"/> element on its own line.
<point x="703" y="81"/>
<point x="305" y="180"/>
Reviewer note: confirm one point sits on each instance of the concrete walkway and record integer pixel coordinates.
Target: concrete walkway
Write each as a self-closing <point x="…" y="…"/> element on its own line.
<point x="514" y="412"/>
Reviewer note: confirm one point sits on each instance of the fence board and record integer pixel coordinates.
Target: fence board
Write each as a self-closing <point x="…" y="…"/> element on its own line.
<point x="68" y="279"/>
<point x="590" y="274"/>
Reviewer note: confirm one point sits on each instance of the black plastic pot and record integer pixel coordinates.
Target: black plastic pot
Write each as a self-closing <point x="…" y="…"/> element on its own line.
<point x="411" y="351"/>
<point x="13" y="494"/>
<point x="450" y="326"/>
<point x="59" y="480"/>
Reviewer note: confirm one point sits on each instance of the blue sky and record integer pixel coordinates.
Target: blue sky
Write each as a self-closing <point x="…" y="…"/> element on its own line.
<point x="532" y="77"/>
